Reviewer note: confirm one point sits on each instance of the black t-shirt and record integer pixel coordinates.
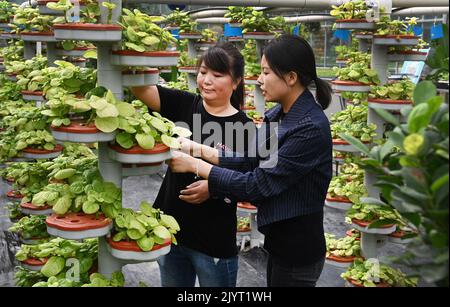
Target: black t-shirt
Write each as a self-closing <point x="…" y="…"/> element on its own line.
<point x="297" y="241"/>
<point x="209" y="227"/>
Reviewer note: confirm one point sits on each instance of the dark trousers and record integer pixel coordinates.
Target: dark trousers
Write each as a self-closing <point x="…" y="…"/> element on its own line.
<point x="281" y="274"/>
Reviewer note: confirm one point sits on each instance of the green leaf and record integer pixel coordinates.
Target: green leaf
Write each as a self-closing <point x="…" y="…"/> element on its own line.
<point x="387" y="116"/>
<point x="125" y="140"/>
<point x="356" y="143"/>
<point x="134" y="234"/>
<point x="145" y="243"/>
<point x="150" y="40"/>
<point x="170" y="222"/>
<point x="109" y="111"/>
<point x="162" y="232"/>
<point x="146" y="208"/>
<point x="120" y="236"/>
<point x="159" y="125"/>
<point x="98" y="103"/>
<point x="146" y="141"/>
<point x="90" y="54"/>
<point x="424" y="91"/>
<point x="90" y="207"/>
<point x="170" y="141"/>
<point x="53" y="266"/>
<point x="65" y="173"/>
<point x="135" y="47"/>
<point x="125" y="109"/>
<point x="380" y="223"/>
<point x="107" y="124"/>
<point x="439" y="183"/>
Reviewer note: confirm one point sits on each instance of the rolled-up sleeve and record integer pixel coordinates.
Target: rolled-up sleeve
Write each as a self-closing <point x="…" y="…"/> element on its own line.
<point x="296" y="157"/>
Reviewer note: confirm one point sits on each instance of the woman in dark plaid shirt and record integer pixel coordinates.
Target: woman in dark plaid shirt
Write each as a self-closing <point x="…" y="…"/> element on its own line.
<point x="289" y="186"/>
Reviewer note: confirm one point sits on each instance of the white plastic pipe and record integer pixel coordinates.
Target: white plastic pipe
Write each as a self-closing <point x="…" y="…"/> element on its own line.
<point x="414" y="11"/>
<point x="313" y="4"/>
<point x="208" y="13"/>
<point x="28" y="3"/>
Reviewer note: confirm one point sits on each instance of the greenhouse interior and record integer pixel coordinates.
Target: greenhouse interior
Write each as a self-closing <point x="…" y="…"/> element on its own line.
<point x="117" y="170"/>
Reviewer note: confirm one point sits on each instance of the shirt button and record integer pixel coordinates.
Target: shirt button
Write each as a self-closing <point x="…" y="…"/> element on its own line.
<point x="227" y="200"/>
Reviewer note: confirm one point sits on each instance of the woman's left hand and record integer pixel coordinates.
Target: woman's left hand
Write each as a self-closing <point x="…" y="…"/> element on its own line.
<point x="195" y="193"/>
<point x="181" y="163"/>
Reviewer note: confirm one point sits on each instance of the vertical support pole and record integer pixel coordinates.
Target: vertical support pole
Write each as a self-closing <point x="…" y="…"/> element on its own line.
<point x="110" y="77"/>
<point x="364" y="45"/>
<point x="107" y="264"/>
<point x="29" y="50"/>
<point x="259" y="102"/>
<point x="256" y="238"/>
<point x="51" y="53"/>
<point x="259" y="48"/>
<point x="192" y="53"/>
<point x="369" y="245"/>
<point x="192" y="81"/>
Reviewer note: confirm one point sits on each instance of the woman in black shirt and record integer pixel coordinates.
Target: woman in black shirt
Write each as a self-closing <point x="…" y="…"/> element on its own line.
<point x="290" y="185"/>
<point x="207" y="240"/>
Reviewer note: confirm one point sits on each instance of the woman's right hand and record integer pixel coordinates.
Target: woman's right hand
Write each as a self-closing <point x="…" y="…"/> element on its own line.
<point x="190" y="147"/>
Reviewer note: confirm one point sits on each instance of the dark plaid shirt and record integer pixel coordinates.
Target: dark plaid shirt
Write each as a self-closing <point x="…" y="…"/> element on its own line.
<point x="297" y="179"/>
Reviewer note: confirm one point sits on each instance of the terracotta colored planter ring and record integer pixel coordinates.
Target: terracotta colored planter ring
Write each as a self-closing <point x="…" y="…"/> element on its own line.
<point x="77" y="221"/>
<point x="77" y="127"/>
<point x="397" y="36"/>
<point x="351" y="20"/>
<point x="87" y="27"/>
<point x="340" y="82"/>
<point x="35" y="262"/>
<point x="38" y="33"/>
<point x="133" y="247"/>
<point x="57" y="148"/>
<point x="341" y="259"/>
<point x="365" y="224"/>
<point x="141" y="72"/>
<point x="148" y="54"/>
<point x="31" y="206"/>
<point x="389" y="101"/>
<point x="342" y="142"/>
<point x="14" y="194"/>
<point x="34" y="93"/>
<point x="339" y="199"/>
<point x="159" y="148"/>
<point x="246" y="205"/>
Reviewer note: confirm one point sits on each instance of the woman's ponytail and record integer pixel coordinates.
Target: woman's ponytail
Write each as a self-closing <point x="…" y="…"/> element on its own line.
<point x="323" y="93"/>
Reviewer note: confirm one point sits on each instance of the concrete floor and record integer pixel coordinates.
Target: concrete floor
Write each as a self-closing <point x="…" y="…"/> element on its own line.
<point x="252" y="263"/>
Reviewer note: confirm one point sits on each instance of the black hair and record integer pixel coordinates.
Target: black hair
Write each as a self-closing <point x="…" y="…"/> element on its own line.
<point x="289" y="53"/>
<point x="226" y="58"/>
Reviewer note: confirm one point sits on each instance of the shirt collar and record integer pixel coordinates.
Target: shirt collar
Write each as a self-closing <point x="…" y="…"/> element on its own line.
<point x="301" y="106"/>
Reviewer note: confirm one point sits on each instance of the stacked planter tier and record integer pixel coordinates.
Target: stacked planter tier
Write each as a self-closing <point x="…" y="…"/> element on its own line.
<point x="350" y="86"/>
<point x="395" y="40"/>
<point x="137" y="155"/>
<point x="129" y="250"/>
<point x="75" y="52"/>
<point x="30" y="209"/>
<point x="34" y="153"/>
<point x="77" y="226"/>
<point x="387" y="104"/>
<point x="38" y="36"/>
<point x="80" y="132"/>
<point x="354" y="24"/>
<point x="88" y="32"/>
<point x="140" y="77"/>
<point x="151" y="59"/>
<point x="340" y="203"/>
